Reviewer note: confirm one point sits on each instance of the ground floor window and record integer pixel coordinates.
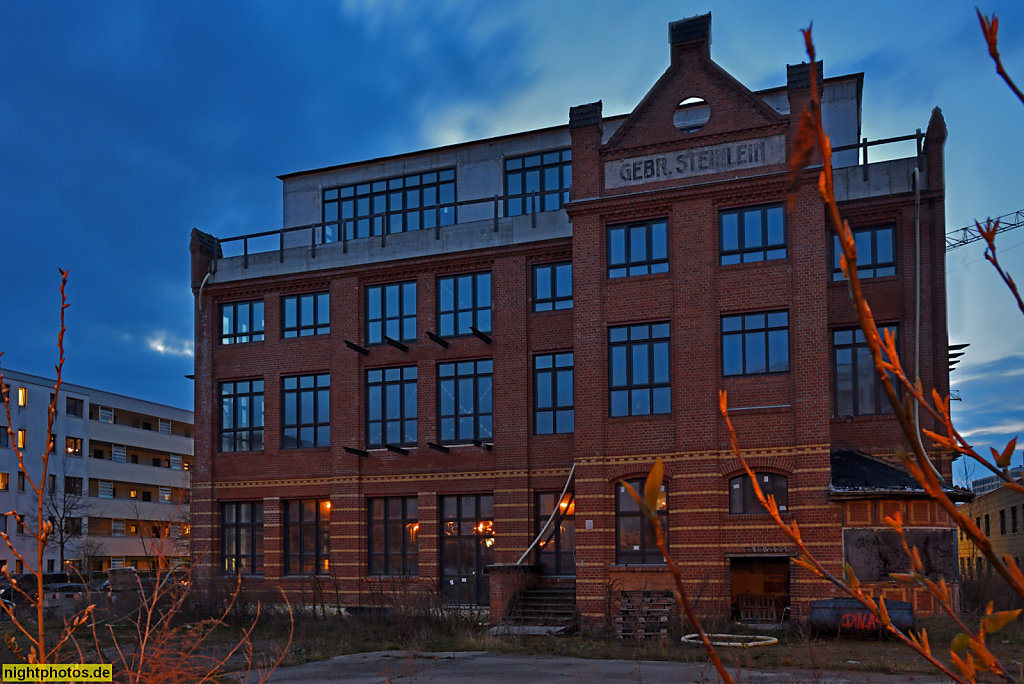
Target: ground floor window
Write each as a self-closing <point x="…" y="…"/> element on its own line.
<point x="307" y="537"/>
<point x="467" y="548"/>
<point x="394" y="524"/>
<point x="241" y="537"/>
<point x="635" y="540"/>
<point x="760" y="588"/>
<point x="556" y="551"/>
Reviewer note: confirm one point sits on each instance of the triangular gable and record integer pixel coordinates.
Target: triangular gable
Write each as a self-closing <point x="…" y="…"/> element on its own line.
<point x="734" y="108"/>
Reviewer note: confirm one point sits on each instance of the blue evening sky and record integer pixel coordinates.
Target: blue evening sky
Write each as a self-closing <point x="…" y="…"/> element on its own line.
<point x="125" y="124"/>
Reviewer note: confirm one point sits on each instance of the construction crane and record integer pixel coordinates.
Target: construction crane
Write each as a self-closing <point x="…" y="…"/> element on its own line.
<point x="969" y="234"/>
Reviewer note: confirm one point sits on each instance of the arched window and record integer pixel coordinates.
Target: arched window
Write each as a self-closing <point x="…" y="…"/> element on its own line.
<point x="743" y="500"/>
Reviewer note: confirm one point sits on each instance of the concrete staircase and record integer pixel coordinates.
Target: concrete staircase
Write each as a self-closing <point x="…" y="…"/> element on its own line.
<point x="539" y="611"/>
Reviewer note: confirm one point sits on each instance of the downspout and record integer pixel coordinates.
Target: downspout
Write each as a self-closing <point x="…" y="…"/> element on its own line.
<point x="547" y="525"/>
<point x="201" y="286"/>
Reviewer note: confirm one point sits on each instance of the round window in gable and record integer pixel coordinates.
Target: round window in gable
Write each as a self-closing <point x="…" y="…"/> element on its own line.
<point x="691" y="114"/>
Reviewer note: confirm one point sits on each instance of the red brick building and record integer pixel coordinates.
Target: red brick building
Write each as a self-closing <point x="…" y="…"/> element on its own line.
<point x="402" y="381"/>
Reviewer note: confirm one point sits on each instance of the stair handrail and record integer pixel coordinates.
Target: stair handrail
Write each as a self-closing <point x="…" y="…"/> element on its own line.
<point x="547" y="525"/>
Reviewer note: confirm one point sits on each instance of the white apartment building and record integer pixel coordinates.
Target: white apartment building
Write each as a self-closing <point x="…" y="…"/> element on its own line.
<point x="117" y="485"/>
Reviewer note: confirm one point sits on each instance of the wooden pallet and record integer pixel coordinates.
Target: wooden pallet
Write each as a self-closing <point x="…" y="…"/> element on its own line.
<point x="644" y="614"/>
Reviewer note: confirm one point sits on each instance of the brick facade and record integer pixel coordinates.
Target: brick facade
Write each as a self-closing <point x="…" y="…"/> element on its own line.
<point x="786" y="421"/>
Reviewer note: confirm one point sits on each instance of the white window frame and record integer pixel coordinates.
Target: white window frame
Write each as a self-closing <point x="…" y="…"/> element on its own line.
<point x="105" y="489"/>
<point x="176" y="462"/>
<point x="117" y="561"/>
<point x="106" y="415"/>
<point x="165" y="426"/>
<point x="119" y="453"/>
<point x="164" y="494"/>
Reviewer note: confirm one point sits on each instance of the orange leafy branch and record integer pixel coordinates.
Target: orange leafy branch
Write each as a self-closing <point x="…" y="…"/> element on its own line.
<point x="990" y="27"/>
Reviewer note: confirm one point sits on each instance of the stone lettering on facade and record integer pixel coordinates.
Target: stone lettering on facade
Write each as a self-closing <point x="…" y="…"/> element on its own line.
<point x="697" y="161"/>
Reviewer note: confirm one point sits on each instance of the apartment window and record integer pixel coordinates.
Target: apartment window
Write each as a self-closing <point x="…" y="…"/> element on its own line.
<point x="119" y="453"/>
<point x="394" y="526"/>
<point x="552" y="287"/>
<point x="858" y="389"/>
<point x="20" y="517"/>
<point x="742" y="498"/>
<point x="73" y="527"/>
<point x="638" y="249"/>
<point x="635" y="541"/>
<point x="23" y="396"/>
<point x="307" y="537"/>
<point x="1013" y="520"/>
<point x="537" y="182"/>
<point x="73" y="485"/>
<point x="21" y="481"/>
<point x="242" y="537"/>
<point x="147" y="496"/>
<point x="307" y="411"/>
<point x="53" y="483"/>
<point x="21" y="439"/>
<point x="116" y="562"/>
<point x="117" y="528"/>
<point x="176" y="462"/>
<point x="241" y="322"/>
<point x="553" y="393"/>
<point x="466" y="401"/>
<point x="165" y="494"/>
<point x="105" y="489"/>
<point x="5" y="439"/>
<point x="876" y="256"/>
<point x="73" y="446"/>
<point x="106" y="414"/>
<point x="987" y="526"/>
<point x="5" y="482"/>
<point x="1002" y="522"/>
<point x="308" y="314"/>
<point x="755" y="343"/>
<point x="391" y="312"/>
<point x="241" y="416"/>
<point x="391" y="406"/>
<point x="639" y="370"/>
<point x="418" y="201"/>
<point x="74" y="407"/>
<point x="164" y="427"/>
<point x="464" y="302"/>
<point x="752" y="234"/>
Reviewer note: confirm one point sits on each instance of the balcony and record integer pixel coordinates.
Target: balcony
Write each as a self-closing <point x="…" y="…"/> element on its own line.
<point x="137" y="437"/>
<point x="130" y="545"/>
<point x="137" y="509"/>
<point x="137" y="473"/>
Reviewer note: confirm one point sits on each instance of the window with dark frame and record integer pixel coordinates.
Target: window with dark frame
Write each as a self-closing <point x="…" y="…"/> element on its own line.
<point x="755" y="343"/>
<point x="742" y="498"/>
<point x="5" y="439"/>
<point x="307" y="537"/>
<point x="465" y="405"/>
<point x="876" y="254"/>
<point x="73" y="446"/>
<point x="858" y="390"/>
<point x="987" y="526"/>
<point x="464" y="302"/>
<point x="391" y="406"/>
<point x="305" y="315"/>
<point x="553" y="393"/>
<point x="73" y="407"/>
<point x="752" y="234"/>
<point x="241" y="415"/>
<point x="1013" y="520"/>
<point x="467" y="548"/>
<point x="1002" y="522"/>
<point x="307" y="411"/>
<point x="73" y="485"/>
<point x="552" y="287"/>
<point x="635" y="541"/>
<point x="241" y="322"/>
<point x="393" y="529"/>
<point x="638" y="248"/>
<point x="638" y="378"/>
<point x="546" y="176"/>
<point x="556" y="550"/>
<point x="391" y="312"/>
<point x="242" y="537"/>
<point x="417" y="201"/>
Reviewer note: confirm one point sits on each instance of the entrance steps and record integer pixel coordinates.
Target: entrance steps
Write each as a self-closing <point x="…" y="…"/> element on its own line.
<point x="539" y="611"/>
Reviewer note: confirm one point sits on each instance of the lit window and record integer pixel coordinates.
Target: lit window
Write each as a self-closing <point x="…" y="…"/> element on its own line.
<point x="467" y="548"/>
<point x="73" y="446"/>
<point x="22" y="396"/>
<point x="635" y="540"/>
<point x="742" y="498"/>
<point x="556" y="550"/>
<point x="21" y="439"/>
<point x="5" y="482"/>
<point x="876" y="255"/>
<point x="638" y="249"/>
<point x="752" y="234"/>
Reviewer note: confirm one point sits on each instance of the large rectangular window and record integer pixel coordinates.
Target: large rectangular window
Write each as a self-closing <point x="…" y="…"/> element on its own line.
<point x="635" y="540"/>
<point x="553" y="393"/>
<point x="467" y="548"/>
<point x="466" y="410"/>
<point x="391" y="312"/>
<point x="876" y="254"/>
<point x="73" y="446"/>
<point x="752" y="234"/>
<point x="307" y="537"/>
<point x="411" y="202"/>
<point x="241" y="415"/>
<point x="73" y="407"/>
<point x="755" y="343"/>
<point x="556" y="550"/>
<point x="307" y="411"/>
<point x="537" y="182"/>
<point x="639" y="370"/>
<point x="394" y="527"/>
<point x="552" y="287"/>
<point x="305" y="315"/>
<point x="858" y="389"/>
<point x="391" y="406"/>
<point x="743" y="500"/>
<point x="638" y="249"/>
<point x="241" y="322"/>
<point x="242" y="537"/>
<point x="464" y="302"/>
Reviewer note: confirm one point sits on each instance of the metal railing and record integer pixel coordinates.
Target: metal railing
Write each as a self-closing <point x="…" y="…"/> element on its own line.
<point x="319" y="233"/>
<point x="865" y="144"/>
